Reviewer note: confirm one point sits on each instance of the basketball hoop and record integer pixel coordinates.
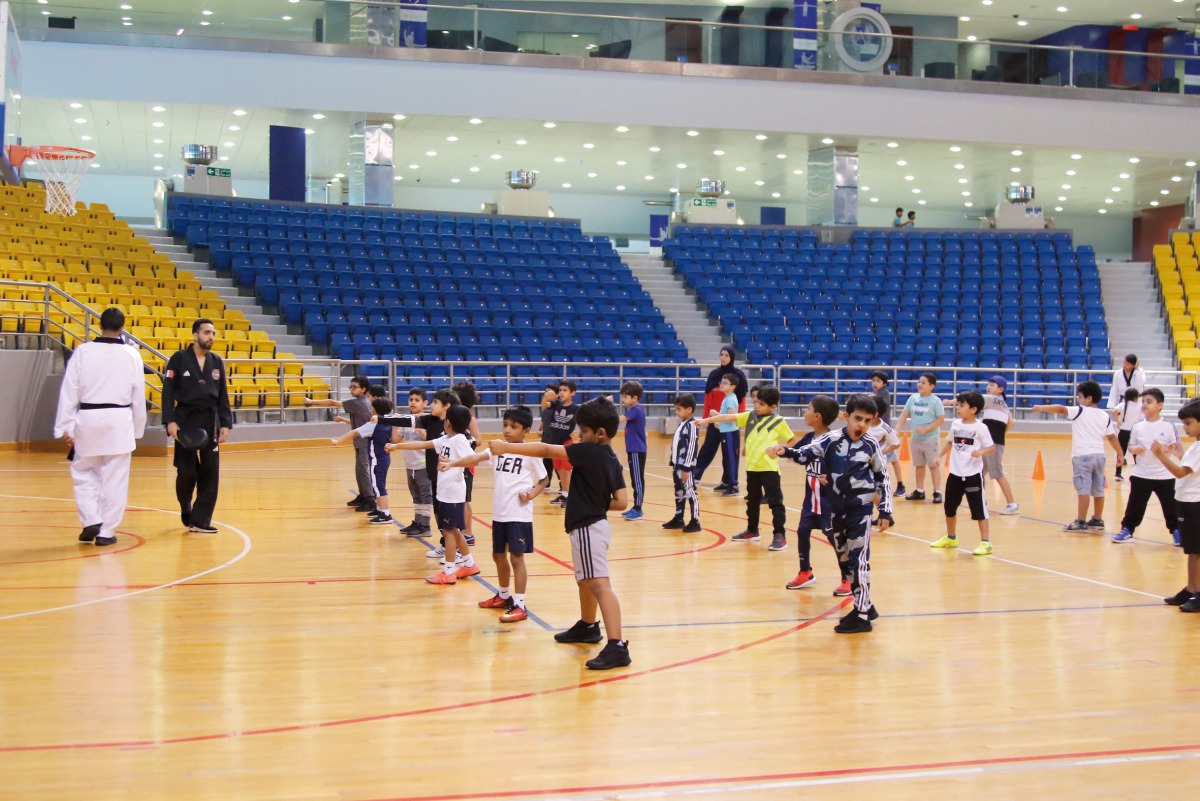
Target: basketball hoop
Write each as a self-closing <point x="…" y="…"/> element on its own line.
<point x="62" y="171"/>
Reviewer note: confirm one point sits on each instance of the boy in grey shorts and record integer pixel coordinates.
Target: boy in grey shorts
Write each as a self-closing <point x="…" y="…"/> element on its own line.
<point x="927" y="414"/>
<point x="597" y="486"/>
<point x="1091" y="426"/>
<point x="419" y="486"/>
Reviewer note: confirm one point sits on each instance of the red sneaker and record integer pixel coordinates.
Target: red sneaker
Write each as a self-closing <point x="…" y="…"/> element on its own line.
<point x="844" y="589"/>
<point x="803" y="579"/>
<point x="467" y="572"/>
<point x="517" y="613"/>
<point x="441" y="577"/>
<point x="495" y="602"/>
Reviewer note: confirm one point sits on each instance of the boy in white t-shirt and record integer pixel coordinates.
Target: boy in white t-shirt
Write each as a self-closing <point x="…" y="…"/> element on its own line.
<point x="1187" y="504"/>
<point x="451" y="495"/>
<point x="1127" y="414"/>
<point x="1149" y="475"/>
<point x="968" y="443"/>
<point x="1090" y="427"/>
<point x="519" y="479"/>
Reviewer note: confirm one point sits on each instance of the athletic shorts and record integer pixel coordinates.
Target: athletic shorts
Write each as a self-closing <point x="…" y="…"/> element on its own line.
<point x="564" y="464"/>
<point x="993" y="463"/>
<point x="970" y="486"/>
<point x="1189" y="526"/>
<point x="893" y="456"/>
<point x="451" y="515"/>
<point x="1088" y="474"/>
<point x="589" y="550"/>
<point x="514" y="536"/>
<point x="924" y="451"/>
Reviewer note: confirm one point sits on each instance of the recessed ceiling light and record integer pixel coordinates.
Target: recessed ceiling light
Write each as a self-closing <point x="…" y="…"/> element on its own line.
<point x="158" y="155"/>
<point x="521" y="142"/>
<point x="964" y="19"/>
<point x="1061" y="10"/>
<point x="399" y="117"/>
<point x="235" y="127"/>
<point x="430" y="152"/>
<point x="920" y="202"/>
<point x="775" y="194"/>
<point x="1124" y="176"/>
<point x="620" y="188"/>
<point x="340" y="176"/>
<point x="649" y="177"/>
<point x="318" y="116"/>
<point x="972" y="38"/>
<point x="901" y="163"/>
<point x="797" y="172"/>
<point x="475" y="121"/>
<point x="781" y="155"/>
<point x="1070" y="172"/>
<point x="622" y="129"/>
<point x="239" y="112"/>
<point x="916" y="191"/>
<point x="157" y="124"/>
<point x="451" y="138"/>
<point x="455" y="180"/>
<point x="1015" y="169"/>
<point x="1135" y="16"/>
<point x="1058" y="208"/>
<point x="1076" y="156"/>
<point x="681" y="166"/>
<point x="158" y="109"/>
<point x="955" y="149"/>
<point x="865" y="188"/>
<point x="893" y="144"/>
<point x="969" y="204"/>
<point x="693" y="133"/>
<point x="80" y="120"/>
<point x="473" y="169"/>
<point x="966" y="194"/>
<point x="1018" y="152"/>
<point x="960" y="166"/>
<point x="566" y="186"/>
<point x="759" y="183"/>
<point x="827" y="141"/>
<point x="718" y="152"/>
<point x="559" y="159"/>
<point x="673" y="190"/>
<point x="1104" y="211"/>
<point x="655" y="149"/>
<point x="1116" y="189"/>
<point x="398" y="178"/>
<point x="158" y="166"/>
<point x="1015" y="183"/>
<point x="309" y="131"/>
<point x="910" y="178"/>
<point x="1062" y="199"/>
<point x="46" y="14"/>
<point x="95" y="166"/>
<point x="740" y="169"/>
<point x="227" y="144"/>
<point x="206" y="12"/>
<point x="203" y="22"/>
<point x="1164" y="191"/>
<point x="1108" y="200"/>
<point x="549" y="125"/>
<point x="76" y="105"/>
<point x="414" y="166"/>
<point x="591" y="175"/>
<point x="223" y="158"/>
<point x="1135" y="160"/>
<point x="621" y="163"/>
<point x="760" y="137"/>
<point x="1153" y="202"/>
<point x="123" y="6"/>
<point x="496" y="157"/>
<point x="1176" y="178"/>
<point x="1066" y="186"/>
<point x="286" y="18"/>
<point x="963" y="180"/>
<point x="86" y="138"/>
<point x="874" y="200"/>
<point x="1189" y="164"/>
<point x="1022" y="22"/>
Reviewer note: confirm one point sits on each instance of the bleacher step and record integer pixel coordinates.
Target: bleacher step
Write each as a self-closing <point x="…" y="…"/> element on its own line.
<point x="692" y="325"/>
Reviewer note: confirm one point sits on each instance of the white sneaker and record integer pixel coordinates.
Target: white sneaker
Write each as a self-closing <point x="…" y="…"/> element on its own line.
<point x="1010" y="509"/>
<point x="436" y="553"/>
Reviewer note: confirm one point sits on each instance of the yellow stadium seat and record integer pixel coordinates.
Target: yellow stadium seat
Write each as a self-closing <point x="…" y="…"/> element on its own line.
<point x="245" y="393"/>
<point x="242" y="368"/>
<point x="290" y="368"/>
<point x="294" y="392"/>
<point x="269" y="389"/>
<point x="1189" y="354"/>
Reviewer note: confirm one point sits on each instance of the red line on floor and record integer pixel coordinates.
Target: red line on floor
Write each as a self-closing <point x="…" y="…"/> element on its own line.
<point x="140" y="541"/>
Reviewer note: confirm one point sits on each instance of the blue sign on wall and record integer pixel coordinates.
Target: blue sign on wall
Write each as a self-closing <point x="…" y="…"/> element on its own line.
<point x="658" y="229"/>
<point x="1191" y="69"/>
<point x="414" y="23"/>
<point x="804" y="42"/>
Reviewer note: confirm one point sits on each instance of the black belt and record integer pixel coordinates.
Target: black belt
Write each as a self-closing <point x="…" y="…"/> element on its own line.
<point x="88" y="406"/>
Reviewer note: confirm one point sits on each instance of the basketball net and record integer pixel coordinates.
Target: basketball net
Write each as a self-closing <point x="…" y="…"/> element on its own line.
<point x="62" y="171"/>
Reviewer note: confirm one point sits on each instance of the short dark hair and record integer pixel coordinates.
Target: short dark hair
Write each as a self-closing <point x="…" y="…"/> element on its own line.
<point x="458" y="418"/>
<point x="446" y="397"/>
<point x="467" y="395"/>
<point x="912" y="213"/>
<point x="599" y="414"/>
<point x="686" y="401"/>
<point x="196" y="325"/>
<point x="899" y="211"/>
<point x="861" y="403"/>
<point x="377" y="391"/>
<point x="521" y="415"/>
<point x="882" y="376"/>
<point x="973" y="398"/>
<point x="552" y="386"/>
<point x="754" y="390"/>
<point x="1090" y="390"/>
<point x="568" y="383"/>
<point x="631" y="388"/>
<point x="1190" y="411"/>
<point x="1131" y="358"/>
<point x="1156" y="393"/>
<point x="361" y="381"/>
<point x="930" y="377"/>
<point x="420" y="393"/>
<point x="112" y="319"/>
<point x="825" y="406"/>
<point x="1131" y="394"/>
<point x="382" y="405"/>
<point x="769" y="395"/>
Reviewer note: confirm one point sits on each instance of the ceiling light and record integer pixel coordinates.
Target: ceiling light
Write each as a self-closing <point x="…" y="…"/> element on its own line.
<point x="234" y="128"/>
<point x="1015" y="183"/>
<point x="693" y="133"/>
<point x="496" y="157"/>
<point x="399" y="117"/>
<point x="1066" y="186"/>
<point x="286" y="18"/>
<point x="972" y="38"/>
<point x="1061" y="10"/>
<point x="549" y="125"/>
<point x="775" y="194"/>
<point x="681" y="166"/>
<point x="1189" y="164"/>
<point x="760" y="137"/>
<point x="430" y="152"/>
<point x="964" y="19"/>
<point x="920" y="202"/>
<point x="960" y="166"/>
<point x="227" y="144"/>
<point x="158" y="155"/>
<point x="80" y="120"/>
<point x="1104" y="211"/>
<point x="76" y="105"/>
<point x="718" y="152"/>
<point x="239" y="112"/>
<point x="559" y="159"/>
<point x="455" y="180"/>
<point x="962" y="180"/>
<point x="781" y="155"/>
<point x="620" y="188"/>
<point x="1176" y="178"/>
<point x="1058" y="208"/>
<point x="953" y="149"/>
<point x="158" y="166"/>
<point x="969" y="204"/>
<point x="223" y="158"/>
<point x="1116" y="189"/>
<point x="910" y="178"/>
<point x="759" y="183"/>
<point x="1018" y="153"/>
<point x="1135" y="160"/>
<point x="1152" y="202"/>
<point x="203" y="22"/>
<point x="566" y="186"/>
<point x="622" y="129"/>
<point x="621" y="163"/>
<point x="655" y="149"/>
<point x="318" y="116"/>
<point x="124" y="6"/>
<point x="309" y="131"/>
<point x="1015" y="169"/>
<point x="649" y="177"/>
<point x="797" y="172"/>
<point x="1164" y="191"/>
<point x="865" y="188"/>
<point x="1062" y="199"/>
<point x="414" y="166"/>
<point x="86" y="138"/>
<point x="588" y="145"/>
<point x="1022" y="22"/>
<point x="1135" y="16"/>
<point x="591" y="175"/>
<point x="893" y="144"/>
<point x="158" y="109"/>
<point x="475" y="121"/>
<point x="473" y="169"/>
<point x="1070" y="172"/>
<point x="157" y="124"/>
<point x="1077" y="156"/>
<point x="966" y="194"/>
<point x="1108" y="200"/>
<point x="521" y="142"/>
<point x="740" y="169"/>
<point x="340" y="176"/>
<point x="398" y="178"/>
<point x="206" y="13"/>
<point x="916" y="191"/>
<point x="901" y="163"/>
<point x="874" y="200"/>
<point x="1124" y="176"/>
<point x="827" y="141"/>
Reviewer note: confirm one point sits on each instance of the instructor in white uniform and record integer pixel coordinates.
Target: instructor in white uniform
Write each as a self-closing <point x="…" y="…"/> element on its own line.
<point x="101" y="412"/>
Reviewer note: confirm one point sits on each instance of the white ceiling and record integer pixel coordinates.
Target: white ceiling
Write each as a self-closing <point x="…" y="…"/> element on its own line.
<point x="124" y="134"/>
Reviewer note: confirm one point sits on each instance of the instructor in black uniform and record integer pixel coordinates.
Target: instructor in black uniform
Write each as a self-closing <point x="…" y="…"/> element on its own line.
<point x="196" y="398"/>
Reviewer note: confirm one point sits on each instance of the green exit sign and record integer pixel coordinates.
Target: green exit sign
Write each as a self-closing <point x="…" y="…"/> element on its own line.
<point x="704" y="201"/>
<point x="217" y="172"/>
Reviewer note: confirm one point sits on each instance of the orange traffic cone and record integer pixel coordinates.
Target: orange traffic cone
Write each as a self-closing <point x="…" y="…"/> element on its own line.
<point x="905" y="455"/>
<point x="1039" y="472"/>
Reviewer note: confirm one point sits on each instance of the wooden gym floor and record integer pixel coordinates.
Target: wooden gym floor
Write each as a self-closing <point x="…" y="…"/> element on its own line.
<point x="298" y="653"/>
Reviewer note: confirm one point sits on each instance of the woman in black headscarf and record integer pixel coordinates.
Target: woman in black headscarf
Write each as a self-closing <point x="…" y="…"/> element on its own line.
<point x="713" y="396"/>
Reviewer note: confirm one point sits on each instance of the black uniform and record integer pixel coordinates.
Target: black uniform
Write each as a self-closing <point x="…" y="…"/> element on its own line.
<point x="195" y="398"/>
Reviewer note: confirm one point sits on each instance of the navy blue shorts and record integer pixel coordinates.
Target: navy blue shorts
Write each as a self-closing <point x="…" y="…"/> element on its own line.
<point x="451" y="516"/>
<point x="513" y="536"/>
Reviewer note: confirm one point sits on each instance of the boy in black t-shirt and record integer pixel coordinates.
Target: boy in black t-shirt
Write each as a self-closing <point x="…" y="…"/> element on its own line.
<point x="599" y="487"/>
<point x="559" y="423"/>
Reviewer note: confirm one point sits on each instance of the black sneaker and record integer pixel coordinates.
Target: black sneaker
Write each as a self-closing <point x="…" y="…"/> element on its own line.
<point x="186" y="517"/>
<point x="380" y="520"/>
<point x="421" y="532"/>
<point x="366" y="506"/>
<point x="113" y="541"/>
<point x="720" y="487"/>
<point x="581" y="632"/>
<point x="614" y="655"/>
<point x="900" y="490"/>
<point x="674" y="522"/>
<point x="1180" y="598"/>
<point x="872" y="614"/>
<point x="411" y="529"/>
<point x="915" y="495"/>
<point x="89" y="533"/>
<point x="937" y="497"/>
<point x="1191" y="606"/>
<point x="853" y="624"/>
<point x="778" y="543"/>
<point x="1095" y="524"/>
<point x="200" y="530"/>
<point x="730" y="492"/>
<point x="692" y="527"/>
<point x="355" y="501"/>
<point x="561" y="500"/>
